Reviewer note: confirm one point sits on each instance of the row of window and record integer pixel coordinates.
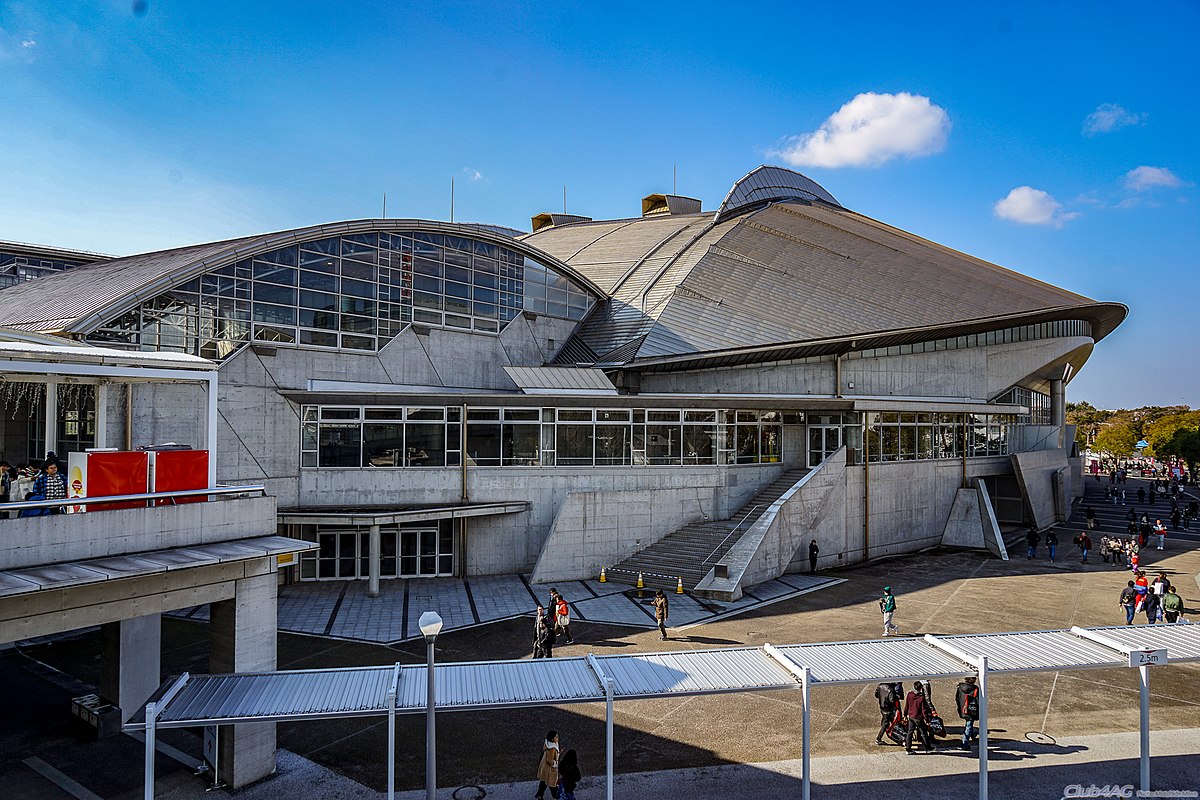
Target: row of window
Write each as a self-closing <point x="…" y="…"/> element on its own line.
<point x="918" y="437"/>
<point x="353" y="292"/>
<point x="383" y="436"/>
<point x="1038" y="404"/>
<point x="1020" y="333"/>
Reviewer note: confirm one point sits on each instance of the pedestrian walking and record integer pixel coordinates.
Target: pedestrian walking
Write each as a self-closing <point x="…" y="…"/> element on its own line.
<point x="661" y="612"/>
<point x="1031" y="539"/>
<point x="813" y="551"/>
<point x="1085" y="544"/>
<point x="1172" y="605"/>
<point x="887" y="605"/>
<point x="569" y="775"/>
<point x="1090" y="513"/>
<point x="552" y="606"/>
<point x="1122" y="497"/>
<point x="967" y="700"/>
<point x="1152" y="606"/>
<point x="1052" y="544"/>
<point x="1128" y="601"/>
<point x="562" y="620"/>
<point x="889" y="696"/>
<point x="1110" y="495"/>
<point x="543" y="635"/>
<point x="917" y="710"/>
<point x="547" y="772"/>
<point x="1176" y="518"/>
<point x="1141" y="495"/>
<point x="1161" y="531"/>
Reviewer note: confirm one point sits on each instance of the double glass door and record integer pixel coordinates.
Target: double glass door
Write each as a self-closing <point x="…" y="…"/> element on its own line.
<point x="404" y="553"/>
<point x="823" y="441"/>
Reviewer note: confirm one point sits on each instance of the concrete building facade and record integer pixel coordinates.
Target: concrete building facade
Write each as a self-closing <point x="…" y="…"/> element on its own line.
<point x="423" y="398"/>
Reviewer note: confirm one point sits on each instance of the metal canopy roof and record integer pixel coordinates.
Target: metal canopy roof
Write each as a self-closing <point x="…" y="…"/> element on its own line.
<point x="875" y="661"/>
<point x="1037" y="651"/>
<point x="364" y="691"/>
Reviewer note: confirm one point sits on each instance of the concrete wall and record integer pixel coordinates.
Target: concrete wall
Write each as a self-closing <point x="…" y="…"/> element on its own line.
<point x="73" y="537"/>
<point x="574" y="529"/>
<point x="973" y="372"/>
<point x="1038" y="473"/>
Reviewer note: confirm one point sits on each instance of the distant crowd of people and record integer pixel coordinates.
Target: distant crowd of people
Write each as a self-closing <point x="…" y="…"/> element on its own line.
<point x="36" y="481"/>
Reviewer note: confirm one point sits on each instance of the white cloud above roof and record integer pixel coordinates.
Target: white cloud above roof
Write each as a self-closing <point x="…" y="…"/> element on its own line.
<point x="871" y="130"/>
<point x="1109" y="117"/>
<point x="1139" y="179"/>
<point x="1029" y="206"/>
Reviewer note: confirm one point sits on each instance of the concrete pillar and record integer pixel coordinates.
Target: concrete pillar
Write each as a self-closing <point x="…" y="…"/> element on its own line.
<point x="373" y="561"/>
<point x="102" y="415"/>
<point x="1058" y="403"/>
<point x="243" y="633"/>
<point x="50" y="430"/>
<point x="130" y="662"/>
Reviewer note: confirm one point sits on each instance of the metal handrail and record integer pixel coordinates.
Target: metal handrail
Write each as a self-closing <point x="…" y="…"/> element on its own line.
<point x="148" y="497"/>
<point x="731" y="533"/>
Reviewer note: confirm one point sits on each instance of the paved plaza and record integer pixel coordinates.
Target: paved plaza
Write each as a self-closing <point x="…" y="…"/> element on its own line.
<point x="342" y="609"/>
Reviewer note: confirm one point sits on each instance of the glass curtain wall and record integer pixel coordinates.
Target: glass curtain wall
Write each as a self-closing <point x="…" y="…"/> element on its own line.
<point x="894" y="436"/>
<point x="351" y="292"/>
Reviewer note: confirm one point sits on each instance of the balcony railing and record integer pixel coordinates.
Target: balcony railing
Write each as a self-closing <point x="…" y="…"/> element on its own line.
<point x="150" y="499"/>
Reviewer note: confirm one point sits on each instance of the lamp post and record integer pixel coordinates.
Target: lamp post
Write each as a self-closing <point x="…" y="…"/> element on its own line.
<point x="431" y="625"/>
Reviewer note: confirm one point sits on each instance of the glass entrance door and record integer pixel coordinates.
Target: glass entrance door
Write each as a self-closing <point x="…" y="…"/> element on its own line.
<point x="426" y="553"/>
<point x="823" y="441"/>
<point x="341" y="554"/>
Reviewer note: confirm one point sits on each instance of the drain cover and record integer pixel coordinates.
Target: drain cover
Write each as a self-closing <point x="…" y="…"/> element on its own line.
<point x="1037" y="737"/>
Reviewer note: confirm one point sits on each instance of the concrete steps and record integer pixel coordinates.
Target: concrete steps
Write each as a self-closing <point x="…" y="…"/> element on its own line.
<point x="691" y="551"/>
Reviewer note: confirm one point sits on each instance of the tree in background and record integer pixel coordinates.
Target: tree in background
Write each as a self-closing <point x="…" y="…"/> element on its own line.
<point x="1087" y="420"/>
<point x="1118" y="439"/>
<point x="1161" y="431"/>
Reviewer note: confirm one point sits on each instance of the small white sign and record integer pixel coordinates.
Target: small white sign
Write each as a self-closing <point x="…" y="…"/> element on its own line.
<point x="1147" y="658"/>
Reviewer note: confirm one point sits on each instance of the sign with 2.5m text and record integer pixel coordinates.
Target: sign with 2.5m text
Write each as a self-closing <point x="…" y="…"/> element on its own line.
<point x="1147" y="658"/>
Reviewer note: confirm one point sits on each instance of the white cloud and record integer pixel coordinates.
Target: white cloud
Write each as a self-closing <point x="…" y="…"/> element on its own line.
<point x="28" y="43"/>
<point x="871" y="130"/>
<point x="472" y="174"/>
<point x="1139" y="179"/>
<point x="1030" y="206"/>
<point x="1109" y="117"/>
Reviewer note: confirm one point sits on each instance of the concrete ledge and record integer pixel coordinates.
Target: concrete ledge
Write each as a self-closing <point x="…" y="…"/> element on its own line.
<point x="32" y="541"/>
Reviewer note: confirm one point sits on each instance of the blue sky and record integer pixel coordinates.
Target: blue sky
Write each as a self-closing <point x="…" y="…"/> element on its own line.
<point x="1057" y="139"/>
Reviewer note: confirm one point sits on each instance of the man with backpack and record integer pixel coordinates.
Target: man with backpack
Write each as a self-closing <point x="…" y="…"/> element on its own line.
<point x="917" y="711"/>
<point x="887" y="605"/>
<point x="967" y="700"/>
<point x="888" y="696"/>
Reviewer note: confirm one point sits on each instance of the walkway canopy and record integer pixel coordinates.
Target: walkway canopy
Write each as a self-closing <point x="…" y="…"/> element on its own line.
<point x="199" y="700"/>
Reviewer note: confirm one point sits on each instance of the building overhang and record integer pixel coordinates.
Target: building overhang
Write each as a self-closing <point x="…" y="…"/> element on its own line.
<point x="367" y="516"/>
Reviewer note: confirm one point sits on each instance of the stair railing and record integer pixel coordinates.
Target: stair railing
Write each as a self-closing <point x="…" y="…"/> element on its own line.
<point x="731" y="533"/>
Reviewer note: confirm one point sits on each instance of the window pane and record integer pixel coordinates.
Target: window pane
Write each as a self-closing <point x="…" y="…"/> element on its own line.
<point x="699" y="444"/>
<point x="483" y="443"/>
<point x="747" y="443"/>
<point x="663" y="444"/>
<point x="575" y="443"/>
<point x="770" y="442"/>
<point x="338" y="445"/>
<point x="521" y="445"/>
<point x="382" y="445"/>
<point x="425" y="444"/>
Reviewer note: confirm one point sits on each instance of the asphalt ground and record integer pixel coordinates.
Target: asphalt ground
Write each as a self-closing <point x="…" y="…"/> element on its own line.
<point x="940" y="592"/>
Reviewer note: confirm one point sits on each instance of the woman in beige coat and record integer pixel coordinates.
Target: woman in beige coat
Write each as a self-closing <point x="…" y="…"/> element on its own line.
<point x="548" y="767"/>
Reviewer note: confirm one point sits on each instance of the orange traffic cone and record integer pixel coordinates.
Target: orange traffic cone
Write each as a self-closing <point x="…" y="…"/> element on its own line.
<point x="603" y="577"/>
<point x="640" y="584"/>
<point x="679" y="586"/>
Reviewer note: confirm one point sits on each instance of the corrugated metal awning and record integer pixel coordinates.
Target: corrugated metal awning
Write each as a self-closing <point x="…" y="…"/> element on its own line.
<point x="561" y="380"/>
<point x="364" y="691"/>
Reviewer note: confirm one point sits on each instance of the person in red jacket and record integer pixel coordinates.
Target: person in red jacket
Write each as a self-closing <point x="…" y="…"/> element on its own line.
<point x="917" y="711"/>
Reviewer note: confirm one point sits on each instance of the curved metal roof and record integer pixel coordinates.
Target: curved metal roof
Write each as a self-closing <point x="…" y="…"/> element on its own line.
<point x="82" y="299"/>
<point x="767" y="184"/>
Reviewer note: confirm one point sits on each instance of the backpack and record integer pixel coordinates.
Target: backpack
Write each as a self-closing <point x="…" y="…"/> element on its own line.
<point x="887" y="698"/>
<point x="970" y="704"/>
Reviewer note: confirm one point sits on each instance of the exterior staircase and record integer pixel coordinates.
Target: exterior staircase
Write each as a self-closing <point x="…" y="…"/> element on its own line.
<point x="691" y="551"/>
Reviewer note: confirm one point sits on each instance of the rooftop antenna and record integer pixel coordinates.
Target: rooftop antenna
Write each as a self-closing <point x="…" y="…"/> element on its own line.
<point x="564" y="198"/>
<point x="385" y="205"/>
<point x="452" y="198"/>
<point x="674" y="178"/>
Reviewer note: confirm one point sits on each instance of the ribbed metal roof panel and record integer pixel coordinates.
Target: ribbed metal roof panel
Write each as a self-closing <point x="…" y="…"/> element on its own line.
<point x="1034" y="651"/>
<point x="502" y="683"/>
<point x="1182" y="642"/>
<point x="563" y="378"/>
<point x="875" y="661"/>
<point x="767" y="183"/>
<point x="697" y="672"/>
<point x="295" y="695"/>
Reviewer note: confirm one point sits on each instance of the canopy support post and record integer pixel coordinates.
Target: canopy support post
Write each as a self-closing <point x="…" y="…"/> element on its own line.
<point x="393" y="690"/>
<point x="151" y="718"/>
<point x="983" y="728"/>
<point x="806" y="735"/>
<point x="607" y="684"/>
<point x="1144" y="672"/>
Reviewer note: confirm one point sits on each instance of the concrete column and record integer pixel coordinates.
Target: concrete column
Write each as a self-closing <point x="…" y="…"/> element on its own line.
<point x="1058" y="403"/>
<point x="243" y="633"/>
<point x="373" y="561"/>
<point x="51" y="422"/>
<point x="130" y="662"/>
<point x="102" y="415"/>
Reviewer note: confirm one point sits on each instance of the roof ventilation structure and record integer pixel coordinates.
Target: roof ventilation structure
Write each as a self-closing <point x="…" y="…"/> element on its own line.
<point x="541" y="221"/>
<point x="767" y="184"/>
<point x="655" y="204"/>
